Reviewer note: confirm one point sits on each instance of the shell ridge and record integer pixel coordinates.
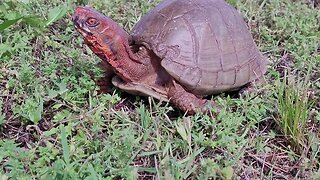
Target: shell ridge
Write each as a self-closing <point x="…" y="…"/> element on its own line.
<point x="195" y="42"/>
<point x="230" y="32"/>
<point x="235" y="48"/>
<point x="204" y="12"/>
<point x="161" y="34"/>
<point x="212" y="31"/>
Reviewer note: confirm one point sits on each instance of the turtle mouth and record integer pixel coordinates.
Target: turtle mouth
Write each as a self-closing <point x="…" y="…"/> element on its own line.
<point x="88" y="36"/>
<point x="78" y="24"/>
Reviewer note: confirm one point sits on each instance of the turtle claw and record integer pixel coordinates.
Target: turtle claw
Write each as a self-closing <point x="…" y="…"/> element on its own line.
<point x="245" y="91"/>
<point x="104" y="87"/>
<point x="211" y="108"/>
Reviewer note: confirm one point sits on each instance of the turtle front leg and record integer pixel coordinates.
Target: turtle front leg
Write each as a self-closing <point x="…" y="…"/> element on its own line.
<point x="105" y="82"/>
<point x="186" y="101"/>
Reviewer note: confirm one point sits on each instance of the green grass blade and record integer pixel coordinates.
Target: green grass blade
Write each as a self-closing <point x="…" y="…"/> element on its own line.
<point x="8" y="23"/>
<point x="65" y="146"/>
<point x="56" y="14"/>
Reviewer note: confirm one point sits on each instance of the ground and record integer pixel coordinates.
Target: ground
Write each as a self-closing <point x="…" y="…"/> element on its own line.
<point x="54" y="125"/>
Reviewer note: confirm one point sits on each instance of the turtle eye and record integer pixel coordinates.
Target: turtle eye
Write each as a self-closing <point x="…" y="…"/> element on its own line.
<point x="92" y="22"/>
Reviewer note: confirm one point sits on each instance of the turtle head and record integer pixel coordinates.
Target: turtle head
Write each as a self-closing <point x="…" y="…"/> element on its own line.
<point x="109" y="41"/>
<point x="100" y="33"/>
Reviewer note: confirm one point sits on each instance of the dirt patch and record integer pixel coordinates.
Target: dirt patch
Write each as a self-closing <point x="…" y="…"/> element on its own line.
<point x="24" y="133"/>
<point x="275" y="158"/>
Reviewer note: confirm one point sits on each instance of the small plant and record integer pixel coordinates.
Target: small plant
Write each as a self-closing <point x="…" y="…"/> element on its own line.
<point x="13" y="16"/>
<point x="293" y="108"/>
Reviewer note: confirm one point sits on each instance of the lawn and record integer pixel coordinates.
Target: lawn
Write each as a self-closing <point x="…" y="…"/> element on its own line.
<point x="54" y="124"/>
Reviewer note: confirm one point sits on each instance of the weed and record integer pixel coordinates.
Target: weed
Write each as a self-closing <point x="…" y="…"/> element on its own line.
<point x="293" y="104"/>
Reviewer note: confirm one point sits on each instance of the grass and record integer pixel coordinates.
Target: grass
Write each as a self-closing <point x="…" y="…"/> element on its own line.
<point x="54" y="125"/>
<point x="293" y="104"/>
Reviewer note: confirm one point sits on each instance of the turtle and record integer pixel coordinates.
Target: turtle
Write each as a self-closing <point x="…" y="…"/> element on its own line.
<point x="181" y="51"/>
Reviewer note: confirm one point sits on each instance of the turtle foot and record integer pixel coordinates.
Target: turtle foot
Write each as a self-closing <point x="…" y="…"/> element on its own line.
<point x="211" y="108"/>
<point x="190" y="103"/>
<point x="104" y="86"/>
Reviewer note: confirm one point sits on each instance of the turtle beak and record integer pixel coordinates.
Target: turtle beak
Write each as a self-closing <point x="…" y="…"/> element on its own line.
<point x="75" y="19"/>
<point x="79" y="24"/>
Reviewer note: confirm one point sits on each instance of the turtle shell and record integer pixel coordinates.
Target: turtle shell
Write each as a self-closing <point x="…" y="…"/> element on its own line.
<point x="204" y="45"/>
